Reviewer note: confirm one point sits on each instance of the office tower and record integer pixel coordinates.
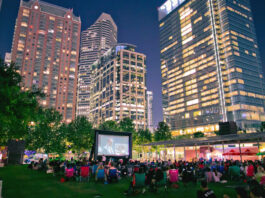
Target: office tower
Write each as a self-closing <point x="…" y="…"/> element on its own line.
<point x="95" y="41"/>
<point x="7" y="58"/>
<point x="118" y="86"/>
<point x="210" y="64"/>
<point x="46" y="48"/>
<point x="149" y="106"/>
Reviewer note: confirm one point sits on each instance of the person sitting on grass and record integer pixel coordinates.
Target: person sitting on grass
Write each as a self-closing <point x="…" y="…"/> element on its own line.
<point x="216" y="175"/>
<point x="138" y="181"/>
<point x="260" y="173"/>
<point x="187" y="175"/>
<point x="205" y="192"/>
<point x="257" y="191"/>
<point x="112" y="173"/>
<point x="36" y="166"/>
<point x="159" y="175"/>
<point x="250" y="170"/>
<point x="100" y="168"/>
<point x="241" y="192"/>
<point x="31" y="165"/>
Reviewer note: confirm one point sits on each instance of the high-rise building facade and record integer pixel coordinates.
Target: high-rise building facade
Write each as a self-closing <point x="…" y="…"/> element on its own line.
<point x="149" y="106"/>
<point x="95" y="41"/>
<point x="210" y="64"/>
<point x="0" y="5"/>
<point x="118" y="87"/>
<point x="8" y="58"/>
<point x="46" y="48"/>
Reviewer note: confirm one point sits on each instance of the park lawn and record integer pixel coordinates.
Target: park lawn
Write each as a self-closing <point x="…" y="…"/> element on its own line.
<point x="20" y="182"/>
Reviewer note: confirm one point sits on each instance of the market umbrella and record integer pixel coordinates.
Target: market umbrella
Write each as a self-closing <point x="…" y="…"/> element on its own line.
<point x="248" y="152"/>
<point x="232" y="152"/>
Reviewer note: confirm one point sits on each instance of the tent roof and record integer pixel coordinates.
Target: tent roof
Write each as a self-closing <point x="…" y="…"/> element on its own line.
<point x="226" y="139"/>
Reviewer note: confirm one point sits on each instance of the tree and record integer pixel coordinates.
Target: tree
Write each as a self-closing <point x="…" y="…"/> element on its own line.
<point x="80" y="134"/>
<point x="126" y="124"/>
<point x="162" y="132"/>
<point x="143" y="136"/>
<point x="181" y="137"/>
<point x="198" y="135"/>
<point x="18" y="108"/>
<point x="47" y="133"/>
<point x="109" y="125"/>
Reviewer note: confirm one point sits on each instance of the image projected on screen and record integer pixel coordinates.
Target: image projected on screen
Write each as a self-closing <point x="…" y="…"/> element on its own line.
<point x="113" y="145"/>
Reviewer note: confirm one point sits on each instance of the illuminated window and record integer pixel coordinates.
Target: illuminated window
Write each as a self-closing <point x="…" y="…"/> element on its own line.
<point x="239" y="70"/>
<point x="197" y="113"/>
<point x="24" y="24"/>
<point x="192" y="102"/>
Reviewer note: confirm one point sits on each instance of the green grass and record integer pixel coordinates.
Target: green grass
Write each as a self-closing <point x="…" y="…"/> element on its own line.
<point x="18" y="181"/>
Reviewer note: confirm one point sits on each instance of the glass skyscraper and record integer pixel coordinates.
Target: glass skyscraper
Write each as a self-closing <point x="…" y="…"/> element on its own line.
<point x="46" y="48"/>
<point x="210" y="65"/>
<point x="95" y="41"/>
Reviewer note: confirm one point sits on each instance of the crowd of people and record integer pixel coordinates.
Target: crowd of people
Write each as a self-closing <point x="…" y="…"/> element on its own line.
<point x="152" y="175"/>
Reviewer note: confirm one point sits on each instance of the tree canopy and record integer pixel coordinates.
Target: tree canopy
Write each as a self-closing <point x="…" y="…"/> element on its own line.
<point x="80" y="134"/>
<point x="47" y="133"/>
<point x="109" y="125"/>
<point x="198" y="134"/>
<point x="127" y="125"/>
<point x="18" y="108"/>
<point x="162" y="132"/>
<point x="143" y="136"/>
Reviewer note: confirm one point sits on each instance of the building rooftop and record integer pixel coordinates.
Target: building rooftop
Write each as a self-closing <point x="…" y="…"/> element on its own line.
<point x="168" y="7"/>
<point x="50" y="8"/>
<point x="105" y="16"/>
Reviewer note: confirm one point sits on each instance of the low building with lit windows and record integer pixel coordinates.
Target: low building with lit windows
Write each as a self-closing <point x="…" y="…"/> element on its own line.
<point x="210" y="64"/>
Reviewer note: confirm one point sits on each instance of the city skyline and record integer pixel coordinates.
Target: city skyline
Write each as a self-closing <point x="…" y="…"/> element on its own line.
<point x="138" y="36"/>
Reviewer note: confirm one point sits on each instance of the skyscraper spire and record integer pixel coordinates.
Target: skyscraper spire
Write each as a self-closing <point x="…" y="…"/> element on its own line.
<point x="95" y="41"/>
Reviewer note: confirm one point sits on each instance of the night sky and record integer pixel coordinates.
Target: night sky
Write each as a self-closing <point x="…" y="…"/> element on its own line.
<point x="137" y="22"/>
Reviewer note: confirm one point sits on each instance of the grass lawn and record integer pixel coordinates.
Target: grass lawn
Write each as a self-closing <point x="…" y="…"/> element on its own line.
<point x="20" y="182"/>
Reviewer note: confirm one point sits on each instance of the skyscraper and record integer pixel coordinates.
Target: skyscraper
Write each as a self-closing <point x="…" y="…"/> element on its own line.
<point x="46" y="47"/>
<point x="119" y="86"/>
<point x="95" y="41"/>
<point x="149" y="106"/>
<point x="210" y="64"/>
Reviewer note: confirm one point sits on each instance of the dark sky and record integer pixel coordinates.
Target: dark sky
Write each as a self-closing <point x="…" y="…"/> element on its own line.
<point x="137" y="23"/>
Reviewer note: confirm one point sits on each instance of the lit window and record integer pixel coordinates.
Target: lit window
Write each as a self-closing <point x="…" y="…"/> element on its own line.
<point x="191" y="102"/>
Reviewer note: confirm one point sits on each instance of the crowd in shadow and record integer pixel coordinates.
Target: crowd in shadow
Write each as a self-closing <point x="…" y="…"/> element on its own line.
<point x="154" y="175"/>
